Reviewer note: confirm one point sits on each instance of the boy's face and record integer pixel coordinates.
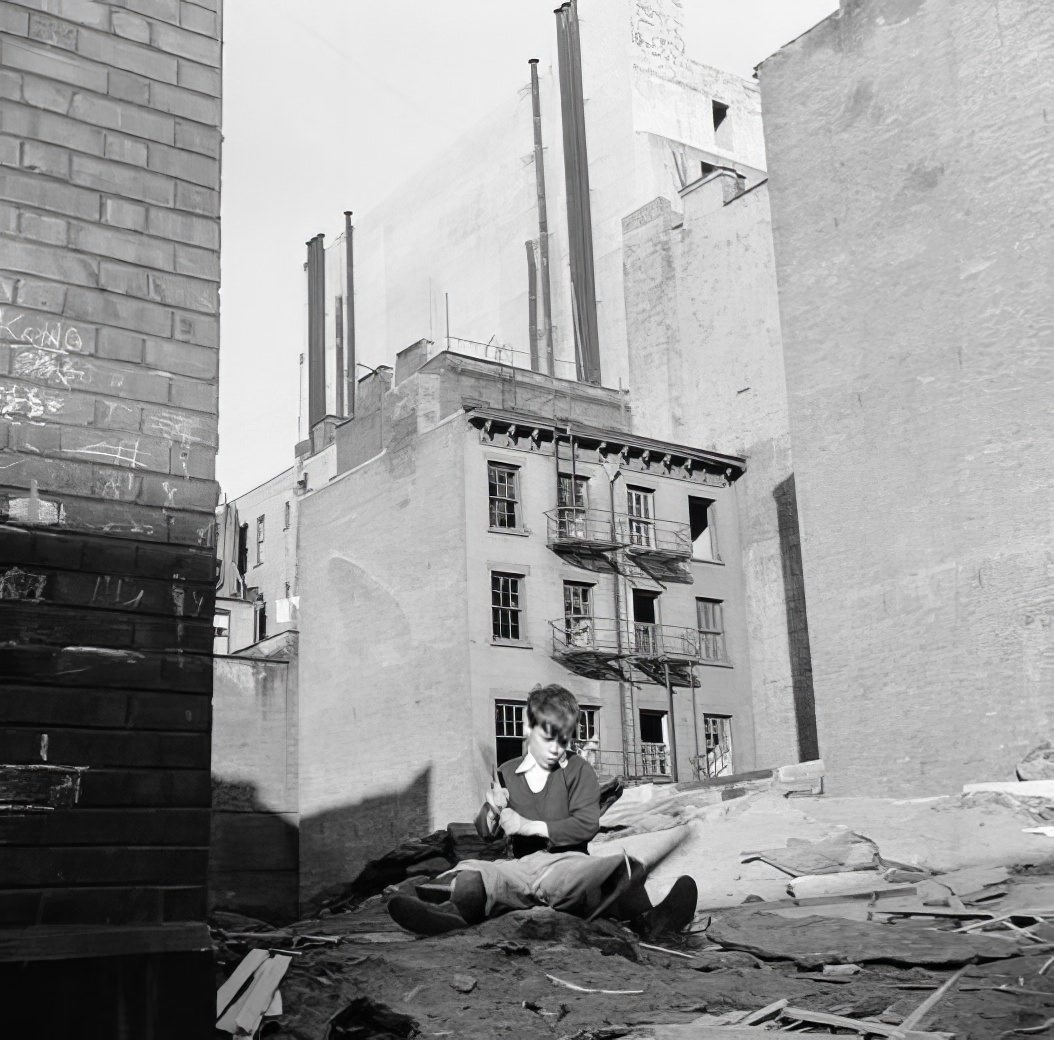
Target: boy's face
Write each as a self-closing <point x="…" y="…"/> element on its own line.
<point x="547" y="744"/>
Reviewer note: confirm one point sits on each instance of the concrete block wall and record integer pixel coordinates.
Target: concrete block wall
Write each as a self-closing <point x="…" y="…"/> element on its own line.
<point x="109" y="335"/>
<point x="910" y="151"/>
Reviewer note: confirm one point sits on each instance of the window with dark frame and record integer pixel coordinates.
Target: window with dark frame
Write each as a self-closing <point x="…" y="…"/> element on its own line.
<point x="702" y="514"/>
<point x="260" y="539"/>
<point x="641" y="510"/>
<point x="508" y="730"/>
<point x="288" y="515"/>
<point x="506" y="606"/>
<point x="711" y="625"/>
<point x="578" y="614"/>
<point x="571" y="505"/>
<point x="717" y="731"/>
<point x="503" y="492"/>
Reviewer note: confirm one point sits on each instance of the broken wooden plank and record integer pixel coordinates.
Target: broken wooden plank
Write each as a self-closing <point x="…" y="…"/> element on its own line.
<point x="774" y="904"/>
<point x="768" y="1011"/>
<point x="259" y="997"/>
<point x="239" y="977"/>
<point x="866" y="1026"/>
<point x="915" y="1019"/>
<point x="586" y="989"/>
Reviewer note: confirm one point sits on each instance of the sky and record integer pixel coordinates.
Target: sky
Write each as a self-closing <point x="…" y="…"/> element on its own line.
<point x="328" y="105"/>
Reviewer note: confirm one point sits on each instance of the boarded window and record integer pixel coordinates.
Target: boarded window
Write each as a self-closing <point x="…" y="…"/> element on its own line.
<point x="710" y="614"/>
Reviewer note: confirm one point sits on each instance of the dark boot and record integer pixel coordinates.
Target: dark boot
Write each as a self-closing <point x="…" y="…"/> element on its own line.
<point x="421" y="918"/>
<point x="441" y="905"/>
<point x="672" y="915"/>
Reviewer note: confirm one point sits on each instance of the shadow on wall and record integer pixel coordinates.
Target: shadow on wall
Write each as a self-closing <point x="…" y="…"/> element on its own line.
<point x="797" y="619"/>
<point x="336" y="844"/>
<point x="254" y="855"/>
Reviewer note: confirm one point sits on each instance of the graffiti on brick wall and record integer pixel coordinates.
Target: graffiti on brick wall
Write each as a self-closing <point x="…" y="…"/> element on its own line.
<point x="48" y="335"/>
<point x="50" y="356"/>
<point x="125" y="452"/>
<point x="16" y="583"/>
<point x="27" y="402"/>
<point x="177" y="427"/>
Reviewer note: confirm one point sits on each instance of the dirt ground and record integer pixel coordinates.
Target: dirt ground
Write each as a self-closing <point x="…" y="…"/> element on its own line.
<point x="497" y="980"/>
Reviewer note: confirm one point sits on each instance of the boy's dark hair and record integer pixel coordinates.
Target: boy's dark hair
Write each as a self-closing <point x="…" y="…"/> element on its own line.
<point x="554" y="706"/>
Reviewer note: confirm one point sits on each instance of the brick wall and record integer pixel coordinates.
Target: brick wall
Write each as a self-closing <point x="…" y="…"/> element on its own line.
<point x="109" y="330"/>
<point x="909" y="151"/>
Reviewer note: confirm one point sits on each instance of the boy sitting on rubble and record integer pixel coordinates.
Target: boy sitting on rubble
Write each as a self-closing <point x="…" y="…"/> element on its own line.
<point x="548" y="804"/>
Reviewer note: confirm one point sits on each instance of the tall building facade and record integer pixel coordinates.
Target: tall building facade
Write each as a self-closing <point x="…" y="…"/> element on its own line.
<point x="109" y="335"/>
<point x="510" y="530"/>
<point x="909" y="152"/>
<point x="509" y="244"/>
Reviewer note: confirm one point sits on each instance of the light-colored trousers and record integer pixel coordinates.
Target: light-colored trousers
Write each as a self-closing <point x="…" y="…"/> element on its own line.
<point x="567" y="881"/>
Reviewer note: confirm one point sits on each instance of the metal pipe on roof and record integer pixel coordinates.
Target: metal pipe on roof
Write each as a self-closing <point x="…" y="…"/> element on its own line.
<point x="349" y="308"/>
<point x="543" y="220"/>
<point x="576" y="176"/>
<point x="316" y="332"/>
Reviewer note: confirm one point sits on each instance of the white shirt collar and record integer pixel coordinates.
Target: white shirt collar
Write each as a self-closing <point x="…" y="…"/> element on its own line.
<point x="529" y="763"/>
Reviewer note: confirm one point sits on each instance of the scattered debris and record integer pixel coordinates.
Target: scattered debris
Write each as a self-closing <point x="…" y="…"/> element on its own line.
<point x="463" y="983"/>
<point x="586" y="989"/>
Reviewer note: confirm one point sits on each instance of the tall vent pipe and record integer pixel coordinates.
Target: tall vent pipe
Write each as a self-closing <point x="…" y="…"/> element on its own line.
<point x="576" y="177"/>
<point x="349" y="308"/>
<point x="316" y="331"/>
<point x="546" y="321"/>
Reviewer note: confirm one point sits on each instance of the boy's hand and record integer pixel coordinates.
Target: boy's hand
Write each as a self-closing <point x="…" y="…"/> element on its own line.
<point x="512" y="822"/>
<point x="497" y="797"/>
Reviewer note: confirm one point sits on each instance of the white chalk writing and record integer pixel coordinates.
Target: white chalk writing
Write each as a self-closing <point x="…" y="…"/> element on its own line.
<point x="16" y="583"/>
<point x="29" y="402"/>
<point x="50" y="335"/>
<point x="124" y="453"/>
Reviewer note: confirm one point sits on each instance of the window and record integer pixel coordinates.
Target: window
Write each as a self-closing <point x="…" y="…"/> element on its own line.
<point x="587" y="736"/>
<point x="701" y="517"/>
<point x="259" y="539"/>
<point x="578" y="614"/>
<point x="288" y="515"/>
<point x="710" y="615"/>
<point x="654" y="746"/>
<point x="571" y="502"/>
<point x="718" y="731"/>
<point x="503" y="491"/>
<point x="221" y="632"/>
<point x="508" y="730"/>
<point x="506" y="606"/>
<point x="645" y="623"/>
<point x="722" y="126"/>
<point x="640" y="507"/>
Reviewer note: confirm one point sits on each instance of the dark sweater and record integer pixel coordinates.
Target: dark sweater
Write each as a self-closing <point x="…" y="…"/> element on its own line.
<point x="569" y="804"/>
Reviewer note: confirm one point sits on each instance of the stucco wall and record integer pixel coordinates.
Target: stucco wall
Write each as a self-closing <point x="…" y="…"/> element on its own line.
<point x="461" y="227"/>
<point x="706" y="367"/>
<point x="910" y="151"/>
<point x="253" y="854"/>
<point x="383" y="734"/>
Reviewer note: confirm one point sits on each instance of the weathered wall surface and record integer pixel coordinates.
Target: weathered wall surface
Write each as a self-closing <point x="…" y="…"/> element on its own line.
<point x="706" y="368"/>
<point x="910" y="152"/>
<point x="461" y="228"/>
<point x="383" y="657"/>
<point x="254" y="855"/>
<point x="109" y="272"/>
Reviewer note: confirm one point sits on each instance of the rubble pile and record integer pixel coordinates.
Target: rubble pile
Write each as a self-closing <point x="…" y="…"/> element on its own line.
<point x="914" y="919"/>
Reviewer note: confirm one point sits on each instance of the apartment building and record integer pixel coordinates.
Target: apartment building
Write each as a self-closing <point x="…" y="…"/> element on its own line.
<point x="510" y="530"/>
